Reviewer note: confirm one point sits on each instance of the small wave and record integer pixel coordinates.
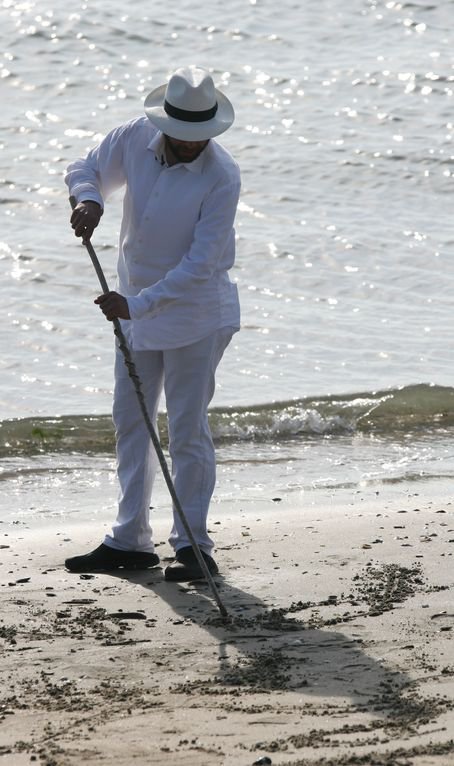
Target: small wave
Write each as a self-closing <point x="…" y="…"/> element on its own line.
<point x="408" y="409"/>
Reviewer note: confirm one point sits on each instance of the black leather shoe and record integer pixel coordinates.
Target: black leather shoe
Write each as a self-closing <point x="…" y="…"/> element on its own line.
<point x="104" y="559"/>
<point x="186" y="567"/>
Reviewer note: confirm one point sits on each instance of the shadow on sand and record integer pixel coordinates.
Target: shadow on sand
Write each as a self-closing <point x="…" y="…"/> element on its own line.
<point x="263" y="649"/>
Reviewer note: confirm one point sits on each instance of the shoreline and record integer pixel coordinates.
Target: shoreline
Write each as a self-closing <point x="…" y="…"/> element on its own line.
<point x="44" y="494"/>
<point x="339" y="649"/>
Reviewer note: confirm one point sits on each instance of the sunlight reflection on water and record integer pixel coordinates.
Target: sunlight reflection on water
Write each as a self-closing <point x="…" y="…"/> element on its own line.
<point x="344" y="228"/>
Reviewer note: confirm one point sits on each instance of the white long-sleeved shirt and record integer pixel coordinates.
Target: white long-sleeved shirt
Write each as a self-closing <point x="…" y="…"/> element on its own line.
<point x="177" y="241"/>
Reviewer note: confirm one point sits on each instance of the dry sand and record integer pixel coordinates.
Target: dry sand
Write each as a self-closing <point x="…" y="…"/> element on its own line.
<point x="339" y="650"/>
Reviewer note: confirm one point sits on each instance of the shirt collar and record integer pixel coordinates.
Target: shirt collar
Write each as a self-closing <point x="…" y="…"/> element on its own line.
<point x="156" y="145"/>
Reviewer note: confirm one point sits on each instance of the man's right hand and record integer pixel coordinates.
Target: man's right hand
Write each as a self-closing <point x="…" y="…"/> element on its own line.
<point x="85" y="218"/>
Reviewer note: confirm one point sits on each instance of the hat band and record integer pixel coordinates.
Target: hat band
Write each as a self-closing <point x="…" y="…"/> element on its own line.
<point x="186" y="116"/>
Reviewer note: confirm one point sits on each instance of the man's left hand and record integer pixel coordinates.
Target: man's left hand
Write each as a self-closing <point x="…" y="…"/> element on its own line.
<point x="113" y="306"/>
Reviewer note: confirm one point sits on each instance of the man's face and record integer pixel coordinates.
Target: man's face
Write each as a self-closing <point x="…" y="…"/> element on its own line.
<point x="185" y="151"/>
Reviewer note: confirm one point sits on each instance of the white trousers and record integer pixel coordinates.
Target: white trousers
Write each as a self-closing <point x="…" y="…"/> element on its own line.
<point x="188" y="377"/>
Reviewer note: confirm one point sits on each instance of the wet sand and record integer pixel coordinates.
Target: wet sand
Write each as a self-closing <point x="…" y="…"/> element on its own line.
<point x="338" y="651"/>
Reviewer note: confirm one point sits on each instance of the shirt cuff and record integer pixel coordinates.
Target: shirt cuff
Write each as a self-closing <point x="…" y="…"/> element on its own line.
<point x="87" y="194"/>
<point x="138" y="306"/>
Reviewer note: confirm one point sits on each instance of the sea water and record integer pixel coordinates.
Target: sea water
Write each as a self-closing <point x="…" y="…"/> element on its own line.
<point x="341" y="375"/>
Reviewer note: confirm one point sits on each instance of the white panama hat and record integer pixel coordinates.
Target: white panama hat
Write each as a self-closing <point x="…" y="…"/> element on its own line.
<point x="189" y="107"/>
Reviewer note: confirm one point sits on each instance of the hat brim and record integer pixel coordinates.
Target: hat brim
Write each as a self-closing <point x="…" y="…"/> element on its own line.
<point x="188" y="131"/>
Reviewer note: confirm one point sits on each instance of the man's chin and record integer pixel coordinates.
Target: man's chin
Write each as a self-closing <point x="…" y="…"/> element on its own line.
<point x="187" y="156"/>
<point x="181" y="153"/>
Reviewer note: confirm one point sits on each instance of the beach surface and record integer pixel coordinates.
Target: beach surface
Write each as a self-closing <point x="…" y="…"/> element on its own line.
<point x="339" y="648"/>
